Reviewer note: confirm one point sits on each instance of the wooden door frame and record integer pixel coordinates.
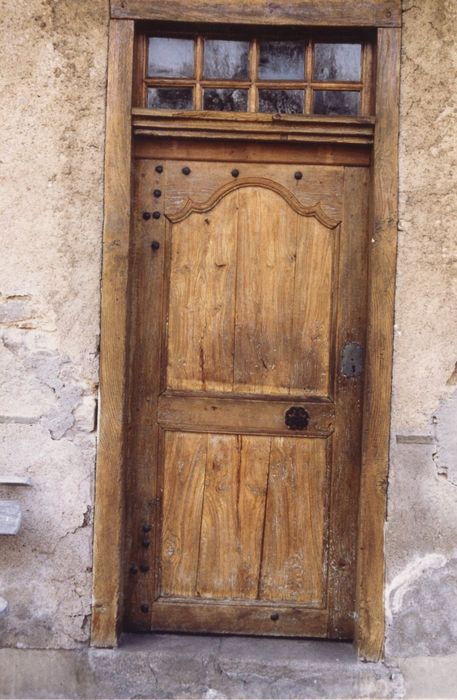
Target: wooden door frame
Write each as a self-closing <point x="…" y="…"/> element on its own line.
<point x="385" y="17"/>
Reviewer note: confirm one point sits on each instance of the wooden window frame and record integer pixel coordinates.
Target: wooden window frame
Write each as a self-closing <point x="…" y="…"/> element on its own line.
<point x="383" y="16"/>
<point x="141" y="81"/>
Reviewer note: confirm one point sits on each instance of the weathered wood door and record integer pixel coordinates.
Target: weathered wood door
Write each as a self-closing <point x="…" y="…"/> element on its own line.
<point x="247" y="317"/>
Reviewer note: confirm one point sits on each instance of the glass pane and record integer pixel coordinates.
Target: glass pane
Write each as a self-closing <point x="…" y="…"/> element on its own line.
<point x="226" y="59"/>
<point x="334" y="102"/>
<point x="284" y="101"/>
<point x="282" y="60"/>
<point x="171" y="58"/>
<point x="225" y="100"/>
<point x="170" y="98"/>
<point x="337" y="61"/>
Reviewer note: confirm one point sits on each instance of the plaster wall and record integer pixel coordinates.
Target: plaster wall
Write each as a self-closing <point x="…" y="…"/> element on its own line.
<point x="51" y="167"/>
<point x="53" y="55"/>
<point x="421" y="529"/>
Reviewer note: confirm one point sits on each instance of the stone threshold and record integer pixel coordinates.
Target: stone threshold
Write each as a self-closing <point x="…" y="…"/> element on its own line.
<point x="197" y="666"/>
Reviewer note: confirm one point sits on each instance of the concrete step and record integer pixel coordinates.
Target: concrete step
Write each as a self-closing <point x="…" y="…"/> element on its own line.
<point x="191" y="666"/>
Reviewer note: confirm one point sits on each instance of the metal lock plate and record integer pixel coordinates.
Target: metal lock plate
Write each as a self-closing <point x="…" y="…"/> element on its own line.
<point x="352" y="360"/>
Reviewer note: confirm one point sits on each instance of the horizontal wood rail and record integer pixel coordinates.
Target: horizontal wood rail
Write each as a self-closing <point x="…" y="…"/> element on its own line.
<point x="325" y="13"/>
<point x="172" y="614"/>
<point x="260" y="127"/>
<point x="232" y="415"/>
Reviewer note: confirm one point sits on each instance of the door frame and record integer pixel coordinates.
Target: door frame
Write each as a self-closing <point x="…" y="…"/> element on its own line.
<point x="385" y="17"/>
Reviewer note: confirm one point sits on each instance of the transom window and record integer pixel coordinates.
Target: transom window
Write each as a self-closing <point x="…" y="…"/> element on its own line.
<point x="301" y="76"/>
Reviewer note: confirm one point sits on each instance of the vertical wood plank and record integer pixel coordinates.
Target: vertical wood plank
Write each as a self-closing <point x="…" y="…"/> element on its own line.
<point x="109" y="508"/>
<point x="253" y="69"/>
<point x="233" y="517"/>
<point x="265" y="283"/>
<point x="185" y="458"/>
<point x="142" y="450"/>
<point x="218" y="546"/>
<point x="254" y="462"/>
<point x="351" y="327"/>
<point x="312" y="309"/>
<point x="202" y="299"/>
<point x="377" y="395"/>
<point x="293" y="547"/>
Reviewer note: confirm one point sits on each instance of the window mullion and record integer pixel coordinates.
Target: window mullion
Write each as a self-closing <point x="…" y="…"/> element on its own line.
<point x="308" y="76"/>
<point x="198" y="96"/>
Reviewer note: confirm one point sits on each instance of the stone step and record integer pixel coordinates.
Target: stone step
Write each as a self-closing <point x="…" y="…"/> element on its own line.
<point x="191" y="666"/>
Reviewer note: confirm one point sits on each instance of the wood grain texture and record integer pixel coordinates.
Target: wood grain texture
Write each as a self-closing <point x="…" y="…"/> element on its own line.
<point x="326" y="13"/>
<point x="145" y="328"/>
<point x="265" y="280"/>
<point x="293" y="565"/>
<point x="254" y="465"/>
<point x="233" y="514"/>
<point x="312" y="309"/>
<point x="255" y="127"/>
<point x="268" y="251"/>
<point x="346" y="440"/>
<point x="228" y="539"/>
<point x="381" y="288"/>
<point x="185" y="459"/>
<point x="238" y="321"/>
<point x="109" y="487"/>
<point x="318" y="185"/>
<point x="202" y="300"/>
<point x="191" y="206"/>
<point x="235" y="414"/>
<point x="238" y="618"/>
<point x="218" y="555"/>
<point x="221" y="151"/>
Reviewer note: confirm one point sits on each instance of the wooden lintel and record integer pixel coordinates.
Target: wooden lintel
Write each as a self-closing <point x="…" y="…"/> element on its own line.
<point x="326" y="13"/>
<point x="355" y="130"/>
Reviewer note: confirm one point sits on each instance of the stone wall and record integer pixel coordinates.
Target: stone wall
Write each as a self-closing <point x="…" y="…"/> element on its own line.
<point x="53" y="57"/>
<point x="51" y="167"/>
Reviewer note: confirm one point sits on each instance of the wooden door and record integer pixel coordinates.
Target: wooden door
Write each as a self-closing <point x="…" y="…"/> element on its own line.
<point x="247" y="320"/>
